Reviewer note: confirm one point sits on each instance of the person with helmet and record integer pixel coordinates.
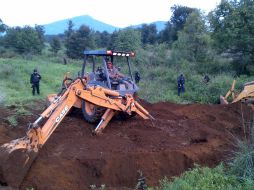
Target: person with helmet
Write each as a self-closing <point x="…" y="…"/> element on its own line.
<point x="35" y="81"/>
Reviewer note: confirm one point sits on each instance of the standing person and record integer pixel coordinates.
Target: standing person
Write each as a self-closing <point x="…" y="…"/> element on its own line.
<point x="206" y="79"/>
<point x="35" y="81"/>
<point x="180" y="84"/>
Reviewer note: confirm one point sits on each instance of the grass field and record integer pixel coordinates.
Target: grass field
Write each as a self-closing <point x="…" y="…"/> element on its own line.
<point x="15" y="78"/>
<point x="158" y="83"/>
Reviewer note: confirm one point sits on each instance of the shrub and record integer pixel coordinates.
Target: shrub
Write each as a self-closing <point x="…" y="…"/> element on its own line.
<point x="12" y="120"/>
<point x="207" y="179"/>
<point x="6" y="71"/>
<point x="242" y="163"/>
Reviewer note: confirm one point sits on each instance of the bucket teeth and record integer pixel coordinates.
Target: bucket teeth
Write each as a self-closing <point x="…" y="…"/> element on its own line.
<point x="21" y="143"/>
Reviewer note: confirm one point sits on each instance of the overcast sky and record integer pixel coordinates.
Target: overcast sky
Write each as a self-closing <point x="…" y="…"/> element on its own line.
<point x="120" y="13"/>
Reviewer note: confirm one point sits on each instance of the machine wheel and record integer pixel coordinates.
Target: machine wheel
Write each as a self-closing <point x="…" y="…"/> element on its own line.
<point x="91" y="112"/>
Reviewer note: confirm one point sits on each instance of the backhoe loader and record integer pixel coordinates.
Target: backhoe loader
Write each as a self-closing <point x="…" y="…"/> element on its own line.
<point x="100" y="99"/>
<point x="245" y="96"/>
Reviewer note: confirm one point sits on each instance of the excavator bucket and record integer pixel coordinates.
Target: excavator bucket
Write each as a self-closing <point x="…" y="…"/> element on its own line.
<point x="223" y="100"/>
<point x="15" y="161"/>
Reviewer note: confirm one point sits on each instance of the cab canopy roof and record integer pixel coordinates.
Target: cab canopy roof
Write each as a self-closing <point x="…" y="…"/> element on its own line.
<point x="109" y="53"/>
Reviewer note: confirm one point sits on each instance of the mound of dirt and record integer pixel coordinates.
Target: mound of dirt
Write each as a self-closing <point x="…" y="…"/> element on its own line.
<point x="180" y="136"/>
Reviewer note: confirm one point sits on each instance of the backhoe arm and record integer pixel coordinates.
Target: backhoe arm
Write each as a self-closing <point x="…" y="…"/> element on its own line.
<point x="26" y="148"/>
<point x="224" y="99"/>
<point x="17" y="156"/>
<point x="38" y="135"/>
<point x="55" y="113"/>
<point x="245" y="96"/>
<point x="113" y="102"/>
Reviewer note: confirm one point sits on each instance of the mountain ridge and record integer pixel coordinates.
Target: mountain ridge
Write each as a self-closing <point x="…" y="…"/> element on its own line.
<point x="58" y="27"/>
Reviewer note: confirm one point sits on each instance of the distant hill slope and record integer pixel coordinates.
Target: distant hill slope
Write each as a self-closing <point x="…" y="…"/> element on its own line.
<point x="160" y="25"/>
<point x="59" y="27"/>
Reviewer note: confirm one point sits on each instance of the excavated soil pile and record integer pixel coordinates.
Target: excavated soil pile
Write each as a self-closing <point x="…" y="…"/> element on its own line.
<point x="181" y="136"/>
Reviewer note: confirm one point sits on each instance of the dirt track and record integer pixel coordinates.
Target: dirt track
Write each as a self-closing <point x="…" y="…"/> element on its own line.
<point x="181" y="136"/>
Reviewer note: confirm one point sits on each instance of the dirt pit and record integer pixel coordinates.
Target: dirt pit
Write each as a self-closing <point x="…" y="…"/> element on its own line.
<point x="180" y="136"/>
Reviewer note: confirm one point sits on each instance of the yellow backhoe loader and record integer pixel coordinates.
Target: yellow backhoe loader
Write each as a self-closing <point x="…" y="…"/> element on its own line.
<point x="98" y="95"/>
<point x="245" y="96"/>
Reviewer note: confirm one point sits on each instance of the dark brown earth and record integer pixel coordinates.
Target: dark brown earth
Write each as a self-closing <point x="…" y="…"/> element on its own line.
<point x="181" y="136"/>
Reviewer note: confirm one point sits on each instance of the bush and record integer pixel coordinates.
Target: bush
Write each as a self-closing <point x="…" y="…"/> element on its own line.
<point x="159" y="83"/>
<point x="200" y="92"/>
<point x="12" y="120"/>
<point x="242" y="164"/>
<point x="207" y="179"/>
<point x="6" y="71"/>
<point x="7" y="53"/>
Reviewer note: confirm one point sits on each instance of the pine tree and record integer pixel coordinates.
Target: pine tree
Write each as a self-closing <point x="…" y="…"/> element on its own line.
<point x="55" y="45"/>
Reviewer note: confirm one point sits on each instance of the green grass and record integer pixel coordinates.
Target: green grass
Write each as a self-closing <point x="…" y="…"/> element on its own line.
<point x="158" y="83"/>
<point x="242" y="163"/>
<point x="12" y="120"/>
<point x="15" y="78"/>
<point x="204" y="178"/>
<point x="18" y="111"/>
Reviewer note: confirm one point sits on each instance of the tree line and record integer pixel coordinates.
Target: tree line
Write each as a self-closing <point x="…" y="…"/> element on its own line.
<point x="193" y="38"/>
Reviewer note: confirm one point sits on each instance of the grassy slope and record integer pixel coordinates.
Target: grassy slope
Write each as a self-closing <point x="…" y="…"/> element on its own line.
<point x="15" y="78"/>
<point x="206" y="179"/>
<point x="158" y="83"/>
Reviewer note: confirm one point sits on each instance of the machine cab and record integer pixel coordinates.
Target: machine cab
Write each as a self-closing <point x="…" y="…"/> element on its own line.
<point x="102" y="67"/>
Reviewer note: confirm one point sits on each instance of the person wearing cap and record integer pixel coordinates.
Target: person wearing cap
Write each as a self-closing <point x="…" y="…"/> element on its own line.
<point x="113" y="71"/>
<point x="35" y="81"/>
<point x="116" y="75"/>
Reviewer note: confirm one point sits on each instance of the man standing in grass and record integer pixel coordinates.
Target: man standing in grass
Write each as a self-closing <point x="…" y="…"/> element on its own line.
<point x="180" y="84"/>
<point x="35" y="81"/>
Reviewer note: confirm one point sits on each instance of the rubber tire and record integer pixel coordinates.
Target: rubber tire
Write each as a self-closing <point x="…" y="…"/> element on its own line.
<point x="95" y="115"/>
